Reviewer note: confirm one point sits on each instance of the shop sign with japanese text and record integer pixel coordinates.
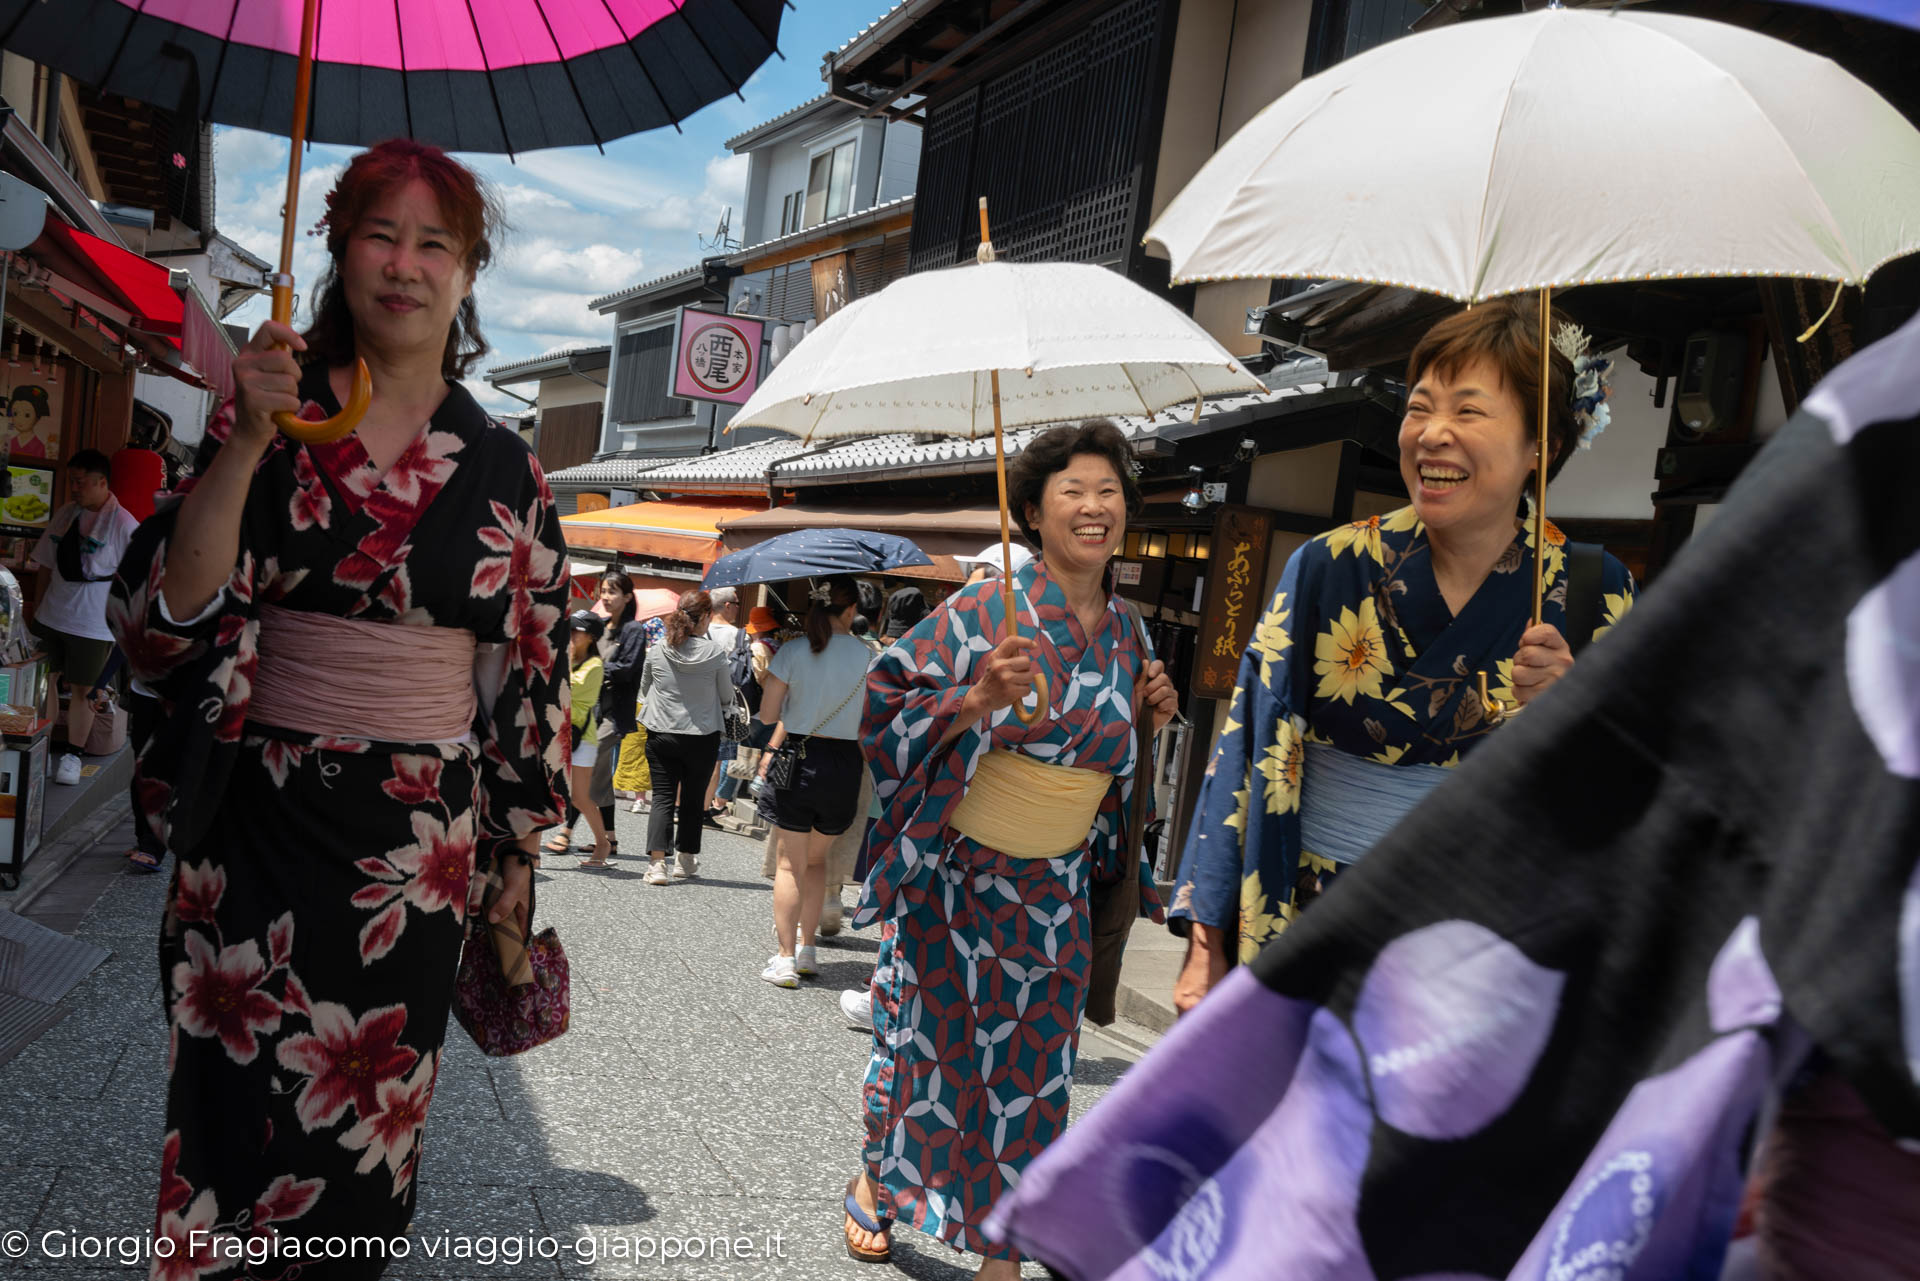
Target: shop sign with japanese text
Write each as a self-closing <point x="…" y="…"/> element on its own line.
<point x="717" y="357"/>
<point x="1238" y="572"/>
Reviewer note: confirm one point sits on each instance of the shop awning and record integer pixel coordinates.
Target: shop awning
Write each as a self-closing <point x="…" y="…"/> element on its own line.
<point x="686" y="531"/>
<point x="941" y="532"/>
<point x="173" y="314"/>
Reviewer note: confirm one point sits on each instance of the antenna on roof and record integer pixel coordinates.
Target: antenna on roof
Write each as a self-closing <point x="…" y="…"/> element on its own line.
<point x="722" y="235"/>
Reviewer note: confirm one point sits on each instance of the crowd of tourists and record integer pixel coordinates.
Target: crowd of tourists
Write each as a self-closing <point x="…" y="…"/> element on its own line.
<point x="981" y="766"/>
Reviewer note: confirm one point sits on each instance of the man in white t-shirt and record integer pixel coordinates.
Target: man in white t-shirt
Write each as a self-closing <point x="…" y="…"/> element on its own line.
<point x="77" y="556"/>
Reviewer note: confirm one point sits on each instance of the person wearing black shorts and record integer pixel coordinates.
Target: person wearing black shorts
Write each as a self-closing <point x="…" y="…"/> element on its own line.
<point x="813" y="696"/>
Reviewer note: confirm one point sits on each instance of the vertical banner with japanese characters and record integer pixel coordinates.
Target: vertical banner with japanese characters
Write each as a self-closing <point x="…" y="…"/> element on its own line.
<point x="1238" y="571"/>
<point x="717" y="357"/>
<point x="833" y="286"/>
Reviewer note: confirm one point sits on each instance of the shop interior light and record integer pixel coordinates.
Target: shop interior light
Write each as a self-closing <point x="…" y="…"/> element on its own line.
<point x="1202" y="546"/>
<point x="1156" y="546"/>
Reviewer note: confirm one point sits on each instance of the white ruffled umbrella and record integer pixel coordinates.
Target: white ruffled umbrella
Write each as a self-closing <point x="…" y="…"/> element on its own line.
<point x="1558" y="148"/>
<point x="970" y="351"/>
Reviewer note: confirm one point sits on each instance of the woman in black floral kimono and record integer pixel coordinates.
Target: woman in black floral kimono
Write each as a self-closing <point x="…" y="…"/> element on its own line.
<point x="358" y="644"/>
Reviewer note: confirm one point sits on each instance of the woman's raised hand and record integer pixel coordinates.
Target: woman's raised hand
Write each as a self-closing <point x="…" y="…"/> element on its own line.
<point x="1005" y="678"/>
<point x="266" y="381"/>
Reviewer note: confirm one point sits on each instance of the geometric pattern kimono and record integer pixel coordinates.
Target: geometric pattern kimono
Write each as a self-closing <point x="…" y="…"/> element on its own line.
<point x="981" y="979"/>
<point x="1357" y="651"/>
<point x="1532" y="1035"/>
<point x="322" y="884"/>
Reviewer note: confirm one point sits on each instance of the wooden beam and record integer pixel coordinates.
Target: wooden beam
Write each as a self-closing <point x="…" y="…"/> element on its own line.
<point x="81" y="143"/>
<point x="829" y="244"/>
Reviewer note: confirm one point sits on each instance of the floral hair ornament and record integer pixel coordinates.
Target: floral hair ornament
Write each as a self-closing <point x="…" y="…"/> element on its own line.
<point x="821" y="593"/>
<point x="1590" y="388"/>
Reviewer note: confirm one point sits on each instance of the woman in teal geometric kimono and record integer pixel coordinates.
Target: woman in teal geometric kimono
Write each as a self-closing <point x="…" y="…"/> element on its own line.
<point x="1359" y="690"/>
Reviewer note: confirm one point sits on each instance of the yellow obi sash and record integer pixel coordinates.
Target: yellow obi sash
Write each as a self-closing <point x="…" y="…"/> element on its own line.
<point x="1028" y="808"/>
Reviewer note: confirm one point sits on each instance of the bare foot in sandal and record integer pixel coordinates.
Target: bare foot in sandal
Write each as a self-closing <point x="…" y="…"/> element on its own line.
<point x="869" y="1241"/>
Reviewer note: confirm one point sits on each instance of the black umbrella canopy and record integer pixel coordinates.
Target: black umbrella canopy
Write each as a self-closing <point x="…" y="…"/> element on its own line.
<point x="464" y="75"/>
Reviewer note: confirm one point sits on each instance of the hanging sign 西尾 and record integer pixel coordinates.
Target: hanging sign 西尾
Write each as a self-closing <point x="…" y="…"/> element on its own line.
<point x="717" y="356"/>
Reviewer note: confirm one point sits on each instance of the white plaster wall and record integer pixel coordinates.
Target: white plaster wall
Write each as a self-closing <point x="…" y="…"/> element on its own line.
<point x="570" y="390"/>
<point x="900" y="165"/>
<point x="189" y="407"/>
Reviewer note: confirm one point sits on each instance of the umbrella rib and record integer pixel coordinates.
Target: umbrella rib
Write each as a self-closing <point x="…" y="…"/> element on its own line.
<point x="406" y="90"/>
<point x="220" y="63"/>
<point x="480" y="43"/>
<point x="638" y="61"/>
<point x="1486" y="187"/>
<point x="680" y="10"/>
<point x="1833" y="224"/>
<point x="566" y="69"/>
<point x="139" y="11"/>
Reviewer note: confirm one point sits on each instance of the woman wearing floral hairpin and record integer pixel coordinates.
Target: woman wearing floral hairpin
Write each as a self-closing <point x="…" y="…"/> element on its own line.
<point x="1357" y="693"/>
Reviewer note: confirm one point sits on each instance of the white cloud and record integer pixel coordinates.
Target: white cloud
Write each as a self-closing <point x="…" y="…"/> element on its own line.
<point x="557" y="265"/>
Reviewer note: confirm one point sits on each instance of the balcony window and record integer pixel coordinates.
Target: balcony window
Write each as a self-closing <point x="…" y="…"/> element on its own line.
<point x="830" y="185"/>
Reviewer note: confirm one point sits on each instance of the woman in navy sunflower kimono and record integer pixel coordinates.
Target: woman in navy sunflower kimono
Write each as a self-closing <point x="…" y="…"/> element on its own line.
<point x="358" y="642"/>
<point x="1359" y="688"/>
<point x="989" y="834"/>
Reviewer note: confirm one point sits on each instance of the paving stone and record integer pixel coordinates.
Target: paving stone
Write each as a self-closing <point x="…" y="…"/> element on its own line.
<point x="689" y="1100"/>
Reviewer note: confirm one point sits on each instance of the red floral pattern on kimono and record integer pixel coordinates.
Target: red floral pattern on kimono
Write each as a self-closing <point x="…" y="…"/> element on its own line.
<point x="318" y="908"/>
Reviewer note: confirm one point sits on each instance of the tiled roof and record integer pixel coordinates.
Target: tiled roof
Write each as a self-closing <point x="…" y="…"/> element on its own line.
<point x="610" y="471"/>
<point x="744" y="464"/>
<point x="620" y="297"/>
<point x="863" y="32"/>
<point x="821" y="230"/>
<point x="780" y="119"/>
<point x="895" y="455"/>
<point x="548" y="357"/>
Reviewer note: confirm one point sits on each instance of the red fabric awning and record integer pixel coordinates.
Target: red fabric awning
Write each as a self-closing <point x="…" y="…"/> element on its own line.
<point x="131" y="280"/>
<point x="145" y="290"/>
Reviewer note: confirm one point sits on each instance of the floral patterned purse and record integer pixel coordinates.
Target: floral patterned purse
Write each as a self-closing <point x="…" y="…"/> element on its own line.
<point x="512" y="992"/>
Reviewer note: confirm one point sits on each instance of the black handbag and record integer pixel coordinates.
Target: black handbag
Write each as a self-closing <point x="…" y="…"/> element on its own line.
<point x="781" y="767"/>
<point x="782" y="764"/>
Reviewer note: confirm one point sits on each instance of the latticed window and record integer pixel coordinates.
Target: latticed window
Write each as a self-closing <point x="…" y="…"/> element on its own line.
<point x="1058" y="145"/>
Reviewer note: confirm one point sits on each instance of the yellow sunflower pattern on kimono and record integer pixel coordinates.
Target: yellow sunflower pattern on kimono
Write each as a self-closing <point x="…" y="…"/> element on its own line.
<point x="1358" y="651"/>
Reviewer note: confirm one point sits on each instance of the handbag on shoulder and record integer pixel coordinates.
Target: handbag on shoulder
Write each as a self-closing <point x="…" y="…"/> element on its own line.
<point x="511" y="992"/>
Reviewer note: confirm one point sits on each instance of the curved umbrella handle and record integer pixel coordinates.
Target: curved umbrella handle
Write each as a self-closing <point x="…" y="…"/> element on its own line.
<point x="1042" y="698"/>
<point x="327" y="430"/>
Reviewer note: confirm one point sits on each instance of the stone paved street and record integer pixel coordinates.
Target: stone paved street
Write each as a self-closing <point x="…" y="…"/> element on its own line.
<point x="689" y="1102"/>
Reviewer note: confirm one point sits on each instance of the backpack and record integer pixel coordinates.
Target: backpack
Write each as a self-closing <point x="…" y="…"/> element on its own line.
<point x="740" y="667"/>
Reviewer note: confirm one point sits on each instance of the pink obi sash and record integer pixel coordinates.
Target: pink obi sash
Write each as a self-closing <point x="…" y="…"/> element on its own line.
<point x="344" y="678"/>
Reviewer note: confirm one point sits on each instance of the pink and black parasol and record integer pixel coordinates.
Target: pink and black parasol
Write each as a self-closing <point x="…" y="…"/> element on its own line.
<point x="466" y="75"/>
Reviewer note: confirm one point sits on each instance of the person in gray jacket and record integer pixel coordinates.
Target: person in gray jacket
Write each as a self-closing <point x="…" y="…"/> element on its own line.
<point x="685" y="687"/>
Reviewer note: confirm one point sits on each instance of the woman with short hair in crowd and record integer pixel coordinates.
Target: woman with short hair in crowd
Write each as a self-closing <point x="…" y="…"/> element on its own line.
<point x="685" y="687"/>
<point x="991" y="833"/>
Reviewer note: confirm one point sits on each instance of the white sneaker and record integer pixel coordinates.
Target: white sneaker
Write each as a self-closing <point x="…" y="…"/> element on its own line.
<point x="780" y="972"/>
<point x="858" y="1008"/>
<point x="639" y="805"/>
<point x="68" y="770"/>
<point x="685" y="867"/>
<point x="805" y="962"/>
<point x="657" y="874"/>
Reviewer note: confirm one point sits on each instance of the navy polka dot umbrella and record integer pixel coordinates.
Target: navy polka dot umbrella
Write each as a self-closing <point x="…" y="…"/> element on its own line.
<point x="815" y="553"/>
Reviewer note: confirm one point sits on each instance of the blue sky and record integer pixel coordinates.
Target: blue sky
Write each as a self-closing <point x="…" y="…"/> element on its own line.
<point x="582" y="224"/>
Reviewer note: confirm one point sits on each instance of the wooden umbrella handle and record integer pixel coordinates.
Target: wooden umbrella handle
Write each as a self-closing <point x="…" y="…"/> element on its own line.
<point x="341" y="424"/>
